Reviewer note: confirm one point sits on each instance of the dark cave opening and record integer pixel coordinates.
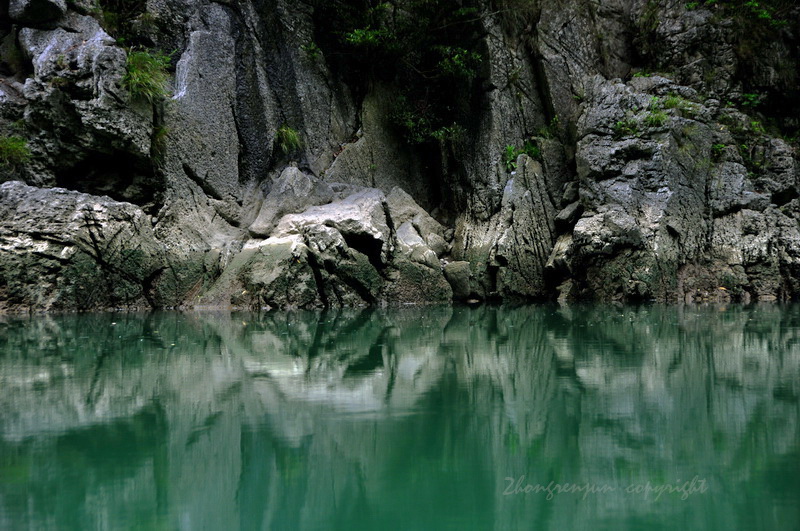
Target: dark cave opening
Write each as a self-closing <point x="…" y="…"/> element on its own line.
<point x="367" y="245"/>
<point x="120" y="175"/>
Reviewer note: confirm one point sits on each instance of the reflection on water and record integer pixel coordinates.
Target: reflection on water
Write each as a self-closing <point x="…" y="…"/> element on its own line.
<point x="379" y="418"/>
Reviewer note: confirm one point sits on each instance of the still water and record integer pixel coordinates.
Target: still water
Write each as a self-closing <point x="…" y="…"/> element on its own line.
<point x="546" y="417"/>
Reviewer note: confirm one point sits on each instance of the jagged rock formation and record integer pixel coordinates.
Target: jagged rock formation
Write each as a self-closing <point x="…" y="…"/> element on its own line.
<point x="626" y="150"/>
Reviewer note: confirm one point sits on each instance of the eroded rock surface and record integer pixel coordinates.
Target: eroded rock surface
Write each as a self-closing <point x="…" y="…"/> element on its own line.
<point x="613" y="151"/>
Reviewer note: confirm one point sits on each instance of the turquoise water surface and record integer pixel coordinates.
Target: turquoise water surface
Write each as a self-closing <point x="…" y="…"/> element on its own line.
<point x="537" y="417"/>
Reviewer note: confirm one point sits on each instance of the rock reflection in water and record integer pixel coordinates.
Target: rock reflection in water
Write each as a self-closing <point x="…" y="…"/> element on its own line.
<point x="362" y="419"/>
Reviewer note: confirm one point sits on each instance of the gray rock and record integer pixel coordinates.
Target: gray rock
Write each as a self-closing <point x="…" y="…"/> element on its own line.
<point x="417" y="284"/>
<point x="361" y="217"/>
<point x="347" y="277"/>
<point x="292" y="192"/>
<point x="376" y="158"/>
<point x="78" y="117"/>
<point x="66" y="250"/>
<point x="528" y="233"/>
<point x="403" y="208"/>
<point x="570" y="194"/>
<point x="458" y="275"/>
<point x="35" y="12"/>
<point x="411" y="246"/>
<point x="274" y="273"/>
<point x="566" y="219"/>
<point x="560" y="260"/>
<point x="730" y="190"/>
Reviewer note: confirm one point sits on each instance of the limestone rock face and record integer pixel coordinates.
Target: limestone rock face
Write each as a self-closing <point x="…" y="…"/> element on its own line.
<point x="292" y="192"/>
<point x="610" y="150"/>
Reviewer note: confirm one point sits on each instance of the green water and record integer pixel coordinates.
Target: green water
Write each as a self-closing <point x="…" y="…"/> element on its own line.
<point x="444" y="418"/>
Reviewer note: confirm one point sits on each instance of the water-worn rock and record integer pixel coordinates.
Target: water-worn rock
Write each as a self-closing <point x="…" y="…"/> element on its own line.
<point x="411" y="245"/>
<point x="458" y="275"/>
<point x="67" y="250"/>
<point x="292" y="192"/>
<point x="361" y="217"/>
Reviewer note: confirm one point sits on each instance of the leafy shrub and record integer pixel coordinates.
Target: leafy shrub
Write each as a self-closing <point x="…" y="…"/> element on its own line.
<point x="13" y="151"/>
<point x="458" y="62"/>
<point x="448" y="132"/>
<point x="311" y="50"/>
<point x="511" y="153"/>
<point x="428" y="49"/>
<point x="366" y="37"/>
<point x="750" y="100"/>
<point x="146" y="77"/>
<point x="287" y="139"/>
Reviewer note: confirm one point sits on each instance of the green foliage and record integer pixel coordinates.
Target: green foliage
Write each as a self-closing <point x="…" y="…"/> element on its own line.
<point x="449" y="132"/>
<point x="429" y="49"/>
<point x="772" y="12"/>
<point x="510" y="154"/>
<point x="458" y="62"/>
<point x="366" y="37"/>
<point x="287" y="139"/>
<point x="717" y="150"/>
<point x="125" y="20"/>
<point x="19" y="125"/>
<point x="674" y="101"/>
<point x="750" y="158"/>
<point x="146" y="76"/>
<point x="757" y="128"/>
<point x="750" y="100"/>
<point x="311" y="50"/>
<point x="551" y="129"/>
<point x="656" y="118"/>
<point x="13" y="151"/>
<point x="414" y="124"/>
<point x="627" y="127"/>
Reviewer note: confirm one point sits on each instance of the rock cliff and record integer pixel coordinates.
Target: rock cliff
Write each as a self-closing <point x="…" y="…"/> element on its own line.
<point x="261" y="153"/>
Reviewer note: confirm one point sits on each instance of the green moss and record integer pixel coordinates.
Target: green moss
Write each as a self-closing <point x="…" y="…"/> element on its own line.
<point x="146" y="75"/>
<point x="13" y="151"/>
<point x="680" y="104"/>
<point x="551" y="129"/>
<point x="158" y="142"/>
